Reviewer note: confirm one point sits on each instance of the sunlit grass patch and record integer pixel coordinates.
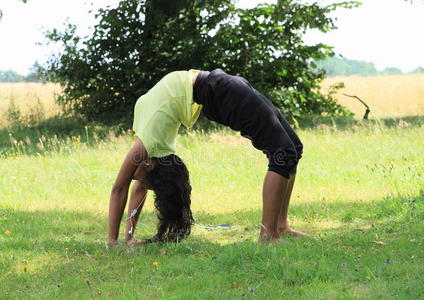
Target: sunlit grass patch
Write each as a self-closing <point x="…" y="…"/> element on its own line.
<point x="358" y="191"/>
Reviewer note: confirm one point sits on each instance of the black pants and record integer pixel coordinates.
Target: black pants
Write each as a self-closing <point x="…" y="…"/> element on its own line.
<point x="232" y="101"/>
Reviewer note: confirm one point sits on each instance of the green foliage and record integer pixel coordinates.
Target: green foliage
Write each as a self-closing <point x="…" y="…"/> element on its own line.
<point x="130" y="50"/>
<point x="137" y="43"/>
<point x="313" y="103"/>
<point x="265" y="45"/>
<point x="336" y="66"/>
<point x="391" y="71"/>
<point x="35" y="75"/>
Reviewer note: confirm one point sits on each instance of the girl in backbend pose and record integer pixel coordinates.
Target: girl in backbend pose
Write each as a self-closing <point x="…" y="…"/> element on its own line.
<point x="178" y="99"/>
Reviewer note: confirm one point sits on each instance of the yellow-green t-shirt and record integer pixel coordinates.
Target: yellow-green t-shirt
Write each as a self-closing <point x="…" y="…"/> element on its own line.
<point x="159" y="113"/>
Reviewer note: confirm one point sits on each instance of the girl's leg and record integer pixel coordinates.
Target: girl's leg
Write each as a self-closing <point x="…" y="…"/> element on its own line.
<point x="282" y="163"/>
<point x="283" y="225"/>
<point x="275" y="186"/>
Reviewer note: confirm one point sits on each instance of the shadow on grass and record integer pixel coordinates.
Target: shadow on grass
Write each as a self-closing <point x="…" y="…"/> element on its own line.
<point x="65" y="254"/>
<point x="58" y="229"/>
<point x="58" y="131"/>
<point x="53" y="133"/>
<point x="381" y="215"/>
<point x="344" y="123"/>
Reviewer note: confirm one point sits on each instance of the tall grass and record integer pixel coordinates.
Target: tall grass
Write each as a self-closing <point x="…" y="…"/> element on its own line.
<point x="388" y="96"/>
<point x="27" y="96"/>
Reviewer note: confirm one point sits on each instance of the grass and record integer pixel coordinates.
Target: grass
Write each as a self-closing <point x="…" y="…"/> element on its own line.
<point x="359" y="191"/>
<point x="389" y="96"/>
<point x="26" y="96"/>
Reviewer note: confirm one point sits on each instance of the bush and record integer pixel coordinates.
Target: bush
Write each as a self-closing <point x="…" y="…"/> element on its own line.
<point x="13" y="114"/>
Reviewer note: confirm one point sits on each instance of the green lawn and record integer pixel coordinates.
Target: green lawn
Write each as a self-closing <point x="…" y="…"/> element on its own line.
<point x="359" y="191"/>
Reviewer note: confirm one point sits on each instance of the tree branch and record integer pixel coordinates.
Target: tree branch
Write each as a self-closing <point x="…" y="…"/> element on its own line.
<point x="367" y="111"/>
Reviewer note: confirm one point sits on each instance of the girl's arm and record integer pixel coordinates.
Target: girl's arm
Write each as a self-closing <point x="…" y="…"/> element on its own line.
<point x="137" y="200"/>
<point x="119" y="193"/>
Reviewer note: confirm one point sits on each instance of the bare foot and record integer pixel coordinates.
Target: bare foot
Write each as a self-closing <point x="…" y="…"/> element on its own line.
<point x="111" y="243"/>
<point x="136" y="242"/>
<point x="292" y="232"/>
<point x="266" y="238"/>
<point x="268" y="241"/>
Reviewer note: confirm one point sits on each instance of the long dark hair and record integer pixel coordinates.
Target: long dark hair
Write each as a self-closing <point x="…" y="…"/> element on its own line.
<point x="171" y="183"/>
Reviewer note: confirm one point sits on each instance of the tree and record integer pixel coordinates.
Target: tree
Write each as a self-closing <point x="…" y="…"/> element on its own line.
<point x="137" y="43"/>
<point x="336" y="66"/>
<point x="35" y="73"/>
<point x="418" y="70"/>
<point x="11" y="76"/>
<point x="391" y="71"/>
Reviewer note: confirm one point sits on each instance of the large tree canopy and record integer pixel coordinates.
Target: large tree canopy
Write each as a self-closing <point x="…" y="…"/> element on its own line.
<point x="137" y="43"/>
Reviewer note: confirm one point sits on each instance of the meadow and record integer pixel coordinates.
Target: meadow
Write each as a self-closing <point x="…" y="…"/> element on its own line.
<point x="27" y="96"/>
<point x="359" y="192"/>
<point x="389" y="96"/>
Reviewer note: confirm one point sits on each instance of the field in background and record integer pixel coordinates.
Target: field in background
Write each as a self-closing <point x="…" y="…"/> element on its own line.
<point x="388" y="96"/>
<point x="25" y="95"/>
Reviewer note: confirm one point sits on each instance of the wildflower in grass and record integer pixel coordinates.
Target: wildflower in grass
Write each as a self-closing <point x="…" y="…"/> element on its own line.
<point x="24" y="267"/>
<point x="7" y="232"/>
<point x="155" y="264"/>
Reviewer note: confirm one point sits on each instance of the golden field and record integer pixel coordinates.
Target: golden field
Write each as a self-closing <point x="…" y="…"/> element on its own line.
<point x="25" y="95"/>
<point x="388" y="96"/>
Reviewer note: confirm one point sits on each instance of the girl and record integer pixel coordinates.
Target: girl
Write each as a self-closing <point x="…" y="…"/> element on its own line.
<point x="177" y="99"/>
